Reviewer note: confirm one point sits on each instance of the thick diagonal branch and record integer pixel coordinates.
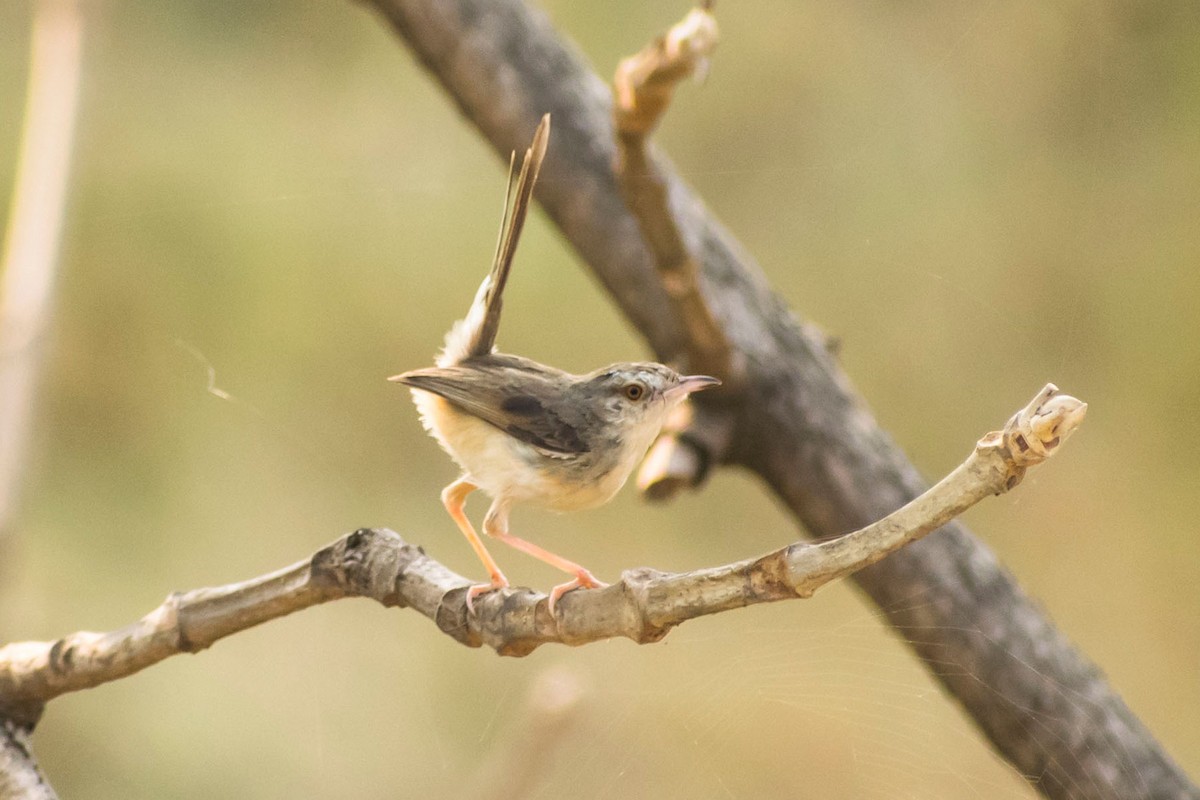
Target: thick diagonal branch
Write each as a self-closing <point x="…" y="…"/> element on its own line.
<point x="644" y="606"/>
<point x="798" y="422"/>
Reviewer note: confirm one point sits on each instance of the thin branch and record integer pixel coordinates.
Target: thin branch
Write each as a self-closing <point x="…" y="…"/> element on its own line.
<point x="644" y="84"/>
<point x="34" y="229"/>
<point x="644" y="606"/>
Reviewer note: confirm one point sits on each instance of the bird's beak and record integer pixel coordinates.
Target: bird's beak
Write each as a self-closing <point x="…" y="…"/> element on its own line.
<point x="690" y="383"/>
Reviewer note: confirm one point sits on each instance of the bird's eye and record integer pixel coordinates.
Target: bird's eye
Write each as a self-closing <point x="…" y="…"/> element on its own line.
<point x="634" y="391"/>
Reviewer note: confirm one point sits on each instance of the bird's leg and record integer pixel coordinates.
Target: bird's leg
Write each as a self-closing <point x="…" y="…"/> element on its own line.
<point x="453" y="498"/>
<point x="495" y="524"/>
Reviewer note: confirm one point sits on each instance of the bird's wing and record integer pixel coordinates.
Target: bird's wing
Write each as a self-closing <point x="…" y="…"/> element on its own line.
<point x="521" y="403"/>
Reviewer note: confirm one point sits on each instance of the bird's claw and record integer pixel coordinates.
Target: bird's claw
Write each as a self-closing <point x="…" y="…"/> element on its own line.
<point x="483" y="588"/>
<point x="583" y="580"/>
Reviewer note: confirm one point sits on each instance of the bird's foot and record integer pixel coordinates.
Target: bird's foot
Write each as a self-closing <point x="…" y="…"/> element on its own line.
<point x="583" y="580"/>
<point x="498" y="582"/>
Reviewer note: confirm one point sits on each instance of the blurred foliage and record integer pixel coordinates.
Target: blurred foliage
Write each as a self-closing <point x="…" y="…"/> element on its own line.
<point x="976" y="198"/>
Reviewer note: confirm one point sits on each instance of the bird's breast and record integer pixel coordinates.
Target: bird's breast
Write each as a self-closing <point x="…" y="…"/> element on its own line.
<point x="504" y="466"/>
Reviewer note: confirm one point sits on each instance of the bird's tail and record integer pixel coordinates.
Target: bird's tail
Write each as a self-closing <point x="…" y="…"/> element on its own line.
<point x="475" y="334"/>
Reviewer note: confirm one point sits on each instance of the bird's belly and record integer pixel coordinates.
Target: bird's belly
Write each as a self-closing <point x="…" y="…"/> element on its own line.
<point x="502" y="465"/>
<point x="479" y="448"/>
<point x="574" y="495"/>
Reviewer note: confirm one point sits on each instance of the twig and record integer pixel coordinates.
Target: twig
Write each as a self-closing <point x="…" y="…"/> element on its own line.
<point x="644" y="84"/>
<point x="643" y="87"/>
<point x="644" y="606"/>
<point x="31" y="242"/>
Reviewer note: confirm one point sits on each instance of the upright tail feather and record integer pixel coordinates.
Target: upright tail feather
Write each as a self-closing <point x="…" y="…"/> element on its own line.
<point x="475" y="334"/>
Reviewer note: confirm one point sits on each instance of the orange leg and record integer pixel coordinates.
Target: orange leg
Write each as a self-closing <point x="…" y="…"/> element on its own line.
<point x="495" y="524"/>
<point x="453" y="498"/>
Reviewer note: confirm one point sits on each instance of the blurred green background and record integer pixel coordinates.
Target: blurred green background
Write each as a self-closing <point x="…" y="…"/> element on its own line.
<point x="976" y="198"/>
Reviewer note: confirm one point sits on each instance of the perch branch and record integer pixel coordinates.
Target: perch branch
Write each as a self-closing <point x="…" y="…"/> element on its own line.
<point x="798" y="422"/>
<point x="644" y="606"/>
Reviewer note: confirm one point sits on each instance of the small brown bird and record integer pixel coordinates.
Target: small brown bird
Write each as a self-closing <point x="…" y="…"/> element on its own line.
<point x="525" y="432"/>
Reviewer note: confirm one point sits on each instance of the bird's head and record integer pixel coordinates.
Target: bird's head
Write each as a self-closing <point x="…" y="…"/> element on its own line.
<point x="634" y="399"/>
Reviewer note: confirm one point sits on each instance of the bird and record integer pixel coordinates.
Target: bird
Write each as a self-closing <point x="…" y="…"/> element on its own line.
<point x="528" y="433"/>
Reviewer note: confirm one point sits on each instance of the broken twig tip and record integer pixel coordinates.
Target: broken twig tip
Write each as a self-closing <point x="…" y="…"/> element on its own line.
<point x="1036" y="432"/>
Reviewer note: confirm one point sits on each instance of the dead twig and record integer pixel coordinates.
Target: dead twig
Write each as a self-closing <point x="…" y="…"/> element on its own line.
<point x="643" y="87"/>
<point x="644" y="606"/>
<point x="644" y="84"/>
